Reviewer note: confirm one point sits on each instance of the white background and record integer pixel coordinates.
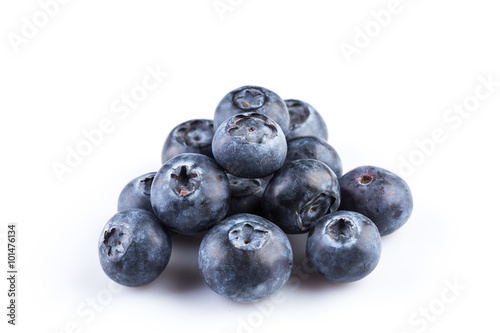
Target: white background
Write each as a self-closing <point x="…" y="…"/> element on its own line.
<point x="69" y="74"/>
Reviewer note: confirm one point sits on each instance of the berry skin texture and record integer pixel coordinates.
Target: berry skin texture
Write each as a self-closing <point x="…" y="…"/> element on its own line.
<point x="343" y="246"/>
<point x="305" y="120"/>
<point x="310" y="147"/>
<point x="300" y="193"/>
<point x="252" y="99"/>
<point x="137" y="193"/>
<point x="382" y="196"/>
<point x="193" y="136"/>
<point x="246" y="195"/>
<point x="190" y="193"/>
<point x="249" y="145"/>
<point x="134" y="248"/>
<point x="245" y="258"/>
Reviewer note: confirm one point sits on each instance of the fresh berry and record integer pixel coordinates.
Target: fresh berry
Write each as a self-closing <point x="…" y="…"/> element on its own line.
<point x="134" y="248"/>
<point x="343" y="246"/>
<point x="246" y="195"/>
<point x="245" y="258"/>
<point x="305" y="120"/>
<point x="249" y="145"/>
<point x="300" y="193"/>
<point x="137" y="193"/>
<point x="253" y="99"/>
<point x="190" y="193"/>
<point x="193" y="136"/>
<point x="382" y="196"/>
<point x="311" y="147"/>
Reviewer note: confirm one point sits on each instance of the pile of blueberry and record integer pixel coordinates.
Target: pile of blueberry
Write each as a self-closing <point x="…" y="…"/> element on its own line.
<point x="260" y="170"/>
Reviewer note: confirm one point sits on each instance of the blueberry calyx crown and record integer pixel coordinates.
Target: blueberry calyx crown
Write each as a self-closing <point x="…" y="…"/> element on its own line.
<point x="249" y="98"/>
<point x="196" y="133"/>
<point x="145" y="186"/>
<point x="342" y="231"/>
<point x="365" y="179"/>
<point x="253" y="127"/>
<point x="299" y="112"/>
<point x="314" y="209"/>
<point x="184" y="181"/>
<point x="248" y="236"/>
<point x="243" y="187"/>
<point x="116" y="242"/>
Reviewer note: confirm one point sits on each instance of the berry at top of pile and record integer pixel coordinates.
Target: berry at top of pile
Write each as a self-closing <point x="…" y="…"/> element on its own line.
<point x="253" y="99"/>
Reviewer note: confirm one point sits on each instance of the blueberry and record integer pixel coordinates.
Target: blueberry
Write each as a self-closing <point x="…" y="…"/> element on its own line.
<point x="249" y="145"/>
<point x="134" y="248"/>
<point x="193" y="136"/>
<point x="300" y="193"/>
<point x="245" y="258"/>
<point x="343" y="246"/>
<point x="310" y="147"/>
<point x="137" y="193"/>
<point x="252" y="99"/>
<point x="379" y="194"/>
<point x="305" y="120"/>
<point x="246" y="195"/>
<point x="190" y="193"/>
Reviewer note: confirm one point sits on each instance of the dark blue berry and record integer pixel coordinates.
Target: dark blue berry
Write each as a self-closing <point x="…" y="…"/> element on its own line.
<point x="245" y="258"/>
<point x="305" y="120"/>
<point x="382" y="196"/>
<point x="193" y="136"/>
<point x="343" y="246"/>
<point x="190" y="193"/>
<point x="249" y="145"/>
<point x="137" y="193"/>
<point x="246" y="195"/>
<point x="252" y="99"/>
<point x="310" y="147"/>
<point x="134" y="248"/>
<point x="300" y="193"/>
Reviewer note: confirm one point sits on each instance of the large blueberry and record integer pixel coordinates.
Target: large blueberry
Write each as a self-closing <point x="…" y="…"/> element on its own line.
<point x="343" y="246"/>
<point x="245" y="258"/>
<point x="190" y="193"/>
<point x="252" y="99"/>
<point x="300" y="193"/>
<point x="249" y="145"/>
<point x="134" y="248"/>
<point x="311" y="147"/>
<point x="305" y="120"/>
<point x="246" y="195"/>
<point x="137" y="193"/>
<point x="382" y="196"/>
<point x="193" y="136"/>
